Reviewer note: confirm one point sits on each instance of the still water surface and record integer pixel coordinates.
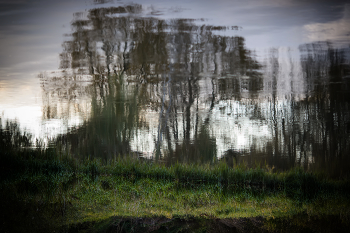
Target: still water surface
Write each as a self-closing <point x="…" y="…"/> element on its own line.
<point x="187" y="81"/>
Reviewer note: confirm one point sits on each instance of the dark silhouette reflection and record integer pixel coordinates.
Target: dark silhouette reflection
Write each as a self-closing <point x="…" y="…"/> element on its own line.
<point x="309" y="129"/>
<point x="327" y="134"/>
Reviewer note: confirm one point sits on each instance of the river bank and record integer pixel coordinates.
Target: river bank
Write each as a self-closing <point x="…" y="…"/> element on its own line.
<point x="45" y="191"/>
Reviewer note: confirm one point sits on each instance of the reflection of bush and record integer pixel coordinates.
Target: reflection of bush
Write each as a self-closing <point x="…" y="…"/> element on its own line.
<point x="11" y="137"/>
<point x="108" y="131"/>
<point x="200" y="150"/>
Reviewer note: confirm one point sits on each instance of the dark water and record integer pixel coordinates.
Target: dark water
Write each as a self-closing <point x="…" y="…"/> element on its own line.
<point x="181" y="89"/>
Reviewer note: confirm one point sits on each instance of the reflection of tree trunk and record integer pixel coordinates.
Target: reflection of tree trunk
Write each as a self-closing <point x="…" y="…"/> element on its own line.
<point x="125" y="62"/>
<point x="188" y="109"/>
<point x="175" y="123"/>
<point x="206" y="121"/>
<point x="304" y="143"/>
<point x="197" y="119"/>
<point x="168" y="111"/>
<point x="109" y="49"/>
<point x="275" y="68"/>
<point x="160" y="124"/>
<point x="167" y="134"/>
<point x="275" y="125"/>
<point x="291" y="143"/>
<point x="91" y="58"/>
<point x="287" y="136"/>
<point x="163" y="120"/>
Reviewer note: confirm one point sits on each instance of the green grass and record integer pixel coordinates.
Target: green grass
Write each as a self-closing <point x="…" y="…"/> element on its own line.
<point x="65" y="192"/>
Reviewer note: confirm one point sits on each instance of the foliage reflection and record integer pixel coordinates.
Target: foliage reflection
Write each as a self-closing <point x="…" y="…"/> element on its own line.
<point x="180" y="90"/>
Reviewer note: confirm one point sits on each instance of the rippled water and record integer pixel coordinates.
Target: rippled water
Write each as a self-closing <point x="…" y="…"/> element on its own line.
<point x="188" y="81"/>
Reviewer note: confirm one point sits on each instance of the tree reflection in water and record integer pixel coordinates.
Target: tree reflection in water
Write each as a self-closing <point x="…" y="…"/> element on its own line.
<point x="182" y="91"/>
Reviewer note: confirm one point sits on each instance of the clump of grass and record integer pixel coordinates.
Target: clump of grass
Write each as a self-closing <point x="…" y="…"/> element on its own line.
<point x="295" y="184"/>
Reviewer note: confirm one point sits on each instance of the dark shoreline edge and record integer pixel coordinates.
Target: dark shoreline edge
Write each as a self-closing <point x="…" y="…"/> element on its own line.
<point x="299" y="223"/>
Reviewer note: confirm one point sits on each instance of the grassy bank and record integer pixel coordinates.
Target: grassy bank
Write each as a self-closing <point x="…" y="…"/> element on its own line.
<point x="42" y="191"/>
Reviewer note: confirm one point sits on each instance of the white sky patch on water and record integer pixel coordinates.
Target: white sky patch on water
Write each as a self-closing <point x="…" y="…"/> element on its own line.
<point x="29" y="117"/>
<point x="230" y="125"/>
<point x="239" y="131"/>
<point x="31" y="120"/>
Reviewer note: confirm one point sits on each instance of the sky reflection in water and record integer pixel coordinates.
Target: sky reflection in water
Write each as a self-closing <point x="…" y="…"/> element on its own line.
<point x="256" y="80"/>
